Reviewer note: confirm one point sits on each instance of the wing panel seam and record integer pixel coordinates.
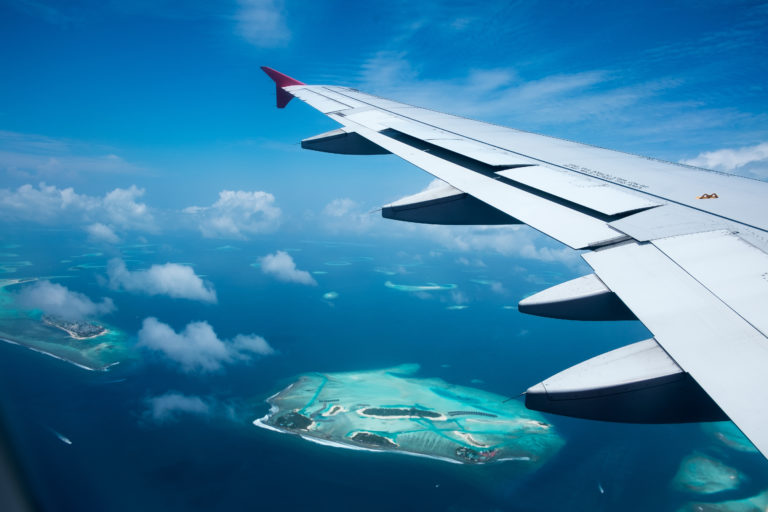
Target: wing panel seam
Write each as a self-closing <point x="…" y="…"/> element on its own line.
<point x="555" y="164"/>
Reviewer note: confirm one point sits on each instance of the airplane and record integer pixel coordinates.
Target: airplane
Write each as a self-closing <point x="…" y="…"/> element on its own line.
<point x="682" y="249"/>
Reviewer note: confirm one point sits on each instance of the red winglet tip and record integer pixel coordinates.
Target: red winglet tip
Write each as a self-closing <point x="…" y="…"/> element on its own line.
<point x="280" y="79"/>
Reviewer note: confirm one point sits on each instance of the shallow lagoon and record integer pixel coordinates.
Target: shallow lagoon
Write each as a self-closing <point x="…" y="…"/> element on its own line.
<point x="27" y="329"/>
<point x="705" y="475"/>
<point x="429" y="287"/>
<point x="220" y="461"/>
<point x="757" y="503"/>
<point x="392" y="410"/>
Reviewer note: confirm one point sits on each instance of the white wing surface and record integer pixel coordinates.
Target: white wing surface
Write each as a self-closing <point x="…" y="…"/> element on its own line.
<point x="681" y="248"/>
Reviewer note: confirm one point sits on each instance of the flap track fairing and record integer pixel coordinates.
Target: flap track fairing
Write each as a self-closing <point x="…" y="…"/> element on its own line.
<point x="342" y="142"/>
<point x="445" y="205"/>
<point x="638" y="383"/>
<point x="583" y="298"/>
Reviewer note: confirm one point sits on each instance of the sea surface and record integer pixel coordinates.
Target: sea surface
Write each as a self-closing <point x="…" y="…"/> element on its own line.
<point x="87" y="440"/>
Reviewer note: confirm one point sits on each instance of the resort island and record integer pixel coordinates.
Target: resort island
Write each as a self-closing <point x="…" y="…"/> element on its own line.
<point x="391" y="410"/>
<point x="88" y="345"/>
<point x="79" y="330"/>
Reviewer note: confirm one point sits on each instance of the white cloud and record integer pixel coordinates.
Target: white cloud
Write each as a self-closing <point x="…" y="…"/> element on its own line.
<point x="243" y="345"/>
<point x="171" y="279"/>
<point x="339" y="207"/>
<point x="55" y="299"/>
<point x="600" y="106"/>
<point x="500" y="93"/>
<point x="498" y="287"/>
<point x="262" y="23"/>
<point x="123" y="210"/>
<point x="506" y="240"/>
<point x="48" y="204"/>
<point x="345" y="215"/>
<point x="31" y="156"/>
<point x="237" y="214"/>
<point x="752" y="159"/>
<point x="169" y="406"/>
<point x="99" y="232"/>
<point x="388" y="71"/>
<point x="474" y="262"/>
<point x="458" y="297"/>
<point x="174" y="406"/>
<point x="197" y="347"/>
<point x="282" y="266"/>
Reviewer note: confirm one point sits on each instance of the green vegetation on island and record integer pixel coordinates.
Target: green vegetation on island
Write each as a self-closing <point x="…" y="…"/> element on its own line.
<point x="78" y="329"/>
<point x="391" y="410"/>
<point x="411" y="412"/>
<point x="86" y="344"/>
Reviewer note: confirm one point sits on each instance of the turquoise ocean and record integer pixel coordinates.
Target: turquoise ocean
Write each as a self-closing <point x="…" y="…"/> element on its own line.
<point x="86" y="440"/>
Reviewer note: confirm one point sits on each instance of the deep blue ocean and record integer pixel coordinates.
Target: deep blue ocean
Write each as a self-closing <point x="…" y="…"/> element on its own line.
<point x="120" y="459"/>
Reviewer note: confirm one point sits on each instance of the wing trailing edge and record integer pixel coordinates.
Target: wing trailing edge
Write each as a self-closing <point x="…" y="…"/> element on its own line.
<point x="692" y="272"/>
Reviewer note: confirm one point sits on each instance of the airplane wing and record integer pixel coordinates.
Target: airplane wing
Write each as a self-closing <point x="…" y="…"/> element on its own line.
<point x="682" y="249"/>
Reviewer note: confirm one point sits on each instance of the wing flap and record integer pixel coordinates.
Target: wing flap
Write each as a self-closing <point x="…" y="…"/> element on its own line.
<point x="725" y="354"/>
<point x="573" y="228"/>
<point x="666" y="221"/>
<point x="397" y="119"/>
<point x="585" y="191"/>
<point x="743" y="199"/>
<point x="484" y="153"/>
<point x="735" y="271"/>
<point x="699" y="293"/>
<point x="318" y="101"/>
<point x="347" y="100"/>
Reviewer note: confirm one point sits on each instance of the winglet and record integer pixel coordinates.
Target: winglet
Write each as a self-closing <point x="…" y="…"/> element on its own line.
<point x="281" y="80"/>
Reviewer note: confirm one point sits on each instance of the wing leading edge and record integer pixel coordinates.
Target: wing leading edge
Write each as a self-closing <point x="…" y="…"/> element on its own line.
<point x="694" y="271"/>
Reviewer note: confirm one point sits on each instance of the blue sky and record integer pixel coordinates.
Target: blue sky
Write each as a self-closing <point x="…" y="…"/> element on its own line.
<point x="149" y="110"/>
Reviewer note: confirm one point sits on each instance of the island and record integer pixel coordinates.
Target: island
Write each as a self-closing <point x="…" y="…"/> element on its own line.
<point x="87" y="345"/>
<point x="701" y="474"/>
<point x="429" y="287"/>
<point x="756" y="503"/>
<point x="730" y="435"/>
<point x="399" y="412"/>
<point x="79" y="330"/>
<point x="393" y="410"/>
